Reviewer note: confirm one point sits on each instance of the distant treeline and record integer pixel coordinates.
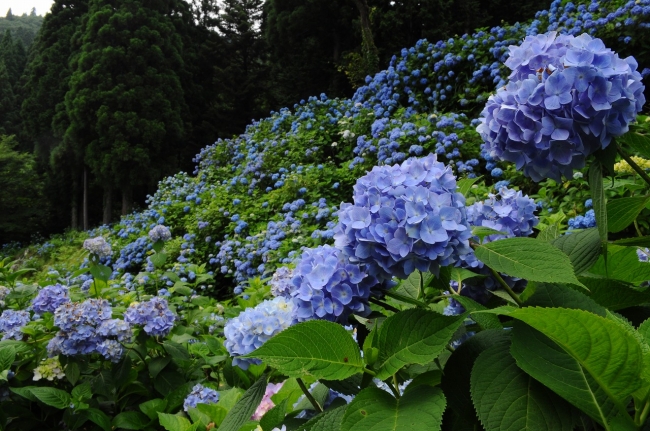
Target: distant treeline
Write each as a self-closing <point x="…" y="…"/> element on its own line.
<point x="105" y="97"/>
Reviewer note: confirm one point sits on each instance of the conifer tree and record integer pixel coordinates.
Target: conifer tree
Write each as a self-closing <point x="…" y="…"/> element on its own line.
<point x="125" y="98"/>
<point x="8" y="117"/>
<point x="44" y="118"/>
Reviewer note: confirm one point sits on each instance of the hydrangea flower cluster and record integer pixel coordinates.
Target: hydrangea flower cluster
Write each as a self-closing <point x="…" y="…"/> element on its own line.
<point x="200" y="395"/>
<point x="513" y="213"/>
<point x="281" y="282"/>
<point x="98" y="246"/>
<point x="266" y="404"/>
<point x="11" y="323"/>
<point x="624" y="168"/>
<point x="49" y="369"/>
<point x="160" y="233"/>
<point x="567" y="97"/>
<point x="326" y="285"/>
<point x="254" y="326"/>
<point x="583" y="222"/>
<point x="50" y="298"/>
<point x="510" y="212"/>
<point x="405" y="217"/>
<point x="153" y="315"/>
<point x="86" y="328"/>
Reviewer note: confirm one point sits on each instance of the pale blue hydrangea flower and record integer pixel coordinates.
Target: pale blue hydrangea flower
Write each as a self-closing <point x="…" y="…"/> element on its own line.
<point x="160" y="233"/>
<point x="643" y="254"/>
<point x="11" y="323"/>
<point x="254" y="326"/>
<point x="281" y="282"/>
<point x="98" y="246"/>
<point x="200" y="395"/>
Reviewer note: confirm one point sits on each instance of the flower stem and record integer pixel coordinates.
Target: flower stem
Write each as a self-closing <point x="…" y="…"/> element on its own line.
<point x="383" y="304"/>
<point x="405" y="298"/>
<point x="507" y="288"/>
<point x="309" y="396"/>
<point x="633" y="165"/>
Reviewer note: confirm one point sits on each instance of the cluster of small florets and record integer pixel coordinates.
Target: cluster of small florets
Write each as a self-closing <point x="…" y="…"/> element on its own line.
<point x="583" y="221"/>
<point x="254" y="326"/>
<point x="50" y="298"/>
<point x="624" y="168"/>
<point x="567" y="97"/>
<point x="281" y="282"/>
<point x="326" y="285"/>
<point x="11" y="323"/>
<point x="98" y="246"/>
<point x="405" y="217"/>
<point x="200" y="395"/>
<point x="86" y="328"/>
<point x="509" y="211"/>
<point x="154" y="316"/>
<point x="49" y="369"/>
<point x="160" y="233"/>
<point x="266" y="404"/>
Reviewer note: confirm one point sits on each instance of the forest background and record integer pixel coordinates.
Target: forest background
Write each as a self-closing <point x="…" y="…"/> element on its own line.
<point x="92" y="115"/>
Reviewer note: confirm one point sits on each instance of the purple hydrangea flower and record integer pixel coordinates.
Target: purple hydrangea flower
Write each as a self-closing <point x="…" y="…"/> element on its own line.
<point x="254" y="326"/>
<point x="50" y="298"/>
<point x="200" y="395"/>
<point x="160" y="233"/>
<point x="154" y="315"/>
<point x="326" y="285"/>
<point x="11" y="323"/>
<point x="405" y="217"/>
<point x="88" y="327"/>
<point x="281" y="282"/>
<point x="643" y="254"/>
<point x="567" y="97"/>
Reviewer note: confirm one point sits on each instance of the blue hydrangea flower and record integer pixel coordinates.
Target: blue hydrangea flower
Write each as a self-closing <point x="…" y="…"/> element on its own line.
<point x="405" y="217"/>
<point x="160" y="233"/>
<point x="583" y="222"/>
<point x="643" y="254"/>
<point x="566" y="98"/>
<point x="254" y="326"/>
<point x="11" y="323"/>
<point x="50" y="298"/>
<point x="509" y="211"/>
<point x="200" y="395"/>
<point x="88" y="327"/>
<point x="98" y="246"/>
<point x="514" y="215"/>
<point x="154" y="316"/>
<point x="326" y="285"/>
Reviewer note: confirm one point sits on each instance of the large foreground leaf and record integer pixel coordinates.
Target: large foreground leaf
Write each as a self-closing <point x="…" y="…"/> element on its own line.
<point x="506" y="398"/>
<point x="376" y="410"/>
<point x="413" y="336"/>
<point x="529" y="259"/>
<point x="609" y="354"/>
<point x="622" y="212"/>
<point x="613" y="294"/>
<point x="317" y="348"/>
<point x="622" y="264"/>
<point x="544" y="360"/>
<point x="583" y="248"/>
